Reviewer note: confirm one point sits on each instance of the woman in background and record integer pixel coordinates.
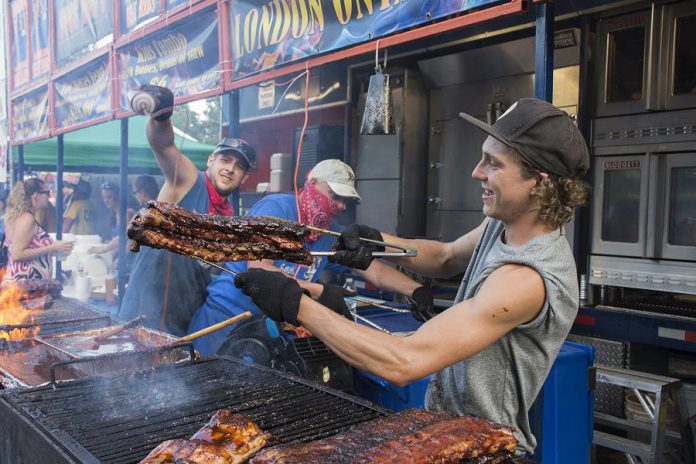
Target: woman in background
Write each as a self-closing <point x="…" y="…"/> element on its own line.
<point x="29" y="245"/>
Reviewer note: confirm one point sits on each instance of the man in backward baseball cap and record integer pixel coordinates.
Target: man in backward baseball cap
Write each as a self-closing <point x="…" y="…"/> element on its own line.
<point x="488" y="355"/>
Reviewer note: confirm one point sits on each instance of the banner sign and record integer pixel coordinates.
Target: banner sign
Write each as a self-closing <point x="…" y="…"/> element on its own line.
<point x="20" y="57"/>
<point x="171" y="4"/>
<point x="40" y="55"/>
<point x="274" y="32"/>
<point x="83" y="95"/>
<point x="136" y="12"/>
<point x="80" y="24"/>
<point x="4" y="148"/>
<point x="185" y="58"/>
<point x="30" y="116"/>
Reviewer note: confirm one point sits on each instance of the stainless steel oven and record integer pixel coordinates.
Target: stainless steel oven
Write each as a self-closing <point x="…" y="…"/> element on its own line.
<point x="647" y="58"/>
<point x="644" y="202"/>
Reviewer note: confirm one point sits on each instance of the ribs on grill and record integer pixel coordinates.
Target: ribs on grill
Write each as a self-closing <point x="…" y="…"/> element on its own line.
<point x="413" y="436"/>
<point x="30" y="293"/>
<point x="226" y="439"/>
<point x="218" y="238"/>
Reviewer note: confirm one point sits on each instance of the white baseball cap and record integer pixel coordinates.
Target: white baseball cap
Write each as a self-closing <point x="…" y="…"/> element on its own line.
<point x="338" y="175"/>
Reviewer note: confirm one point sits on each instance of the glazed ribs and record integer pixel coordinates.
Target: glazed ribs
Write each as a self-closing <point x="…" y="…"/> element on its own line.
<point x="218" y="238"/>
<point x="226" y="439"/>
<point x="414" y="436"/>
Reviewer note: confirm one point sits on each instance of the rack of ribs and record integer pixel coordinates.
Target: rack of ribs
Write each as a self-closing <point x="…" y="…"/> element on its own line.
<point x="413" y="436"/>
<point x="226" y="439"/>
<point x="218" y="238"/>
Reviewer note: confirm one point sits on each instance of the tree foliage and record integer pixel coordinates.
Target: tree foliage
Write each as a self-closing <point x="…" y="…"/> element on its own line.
<point x="204" y="125"/>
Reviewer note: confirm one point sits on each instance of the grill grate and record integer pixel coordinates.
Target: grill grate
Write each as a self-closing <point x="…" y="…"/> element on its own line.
<point x="120" y="420"/>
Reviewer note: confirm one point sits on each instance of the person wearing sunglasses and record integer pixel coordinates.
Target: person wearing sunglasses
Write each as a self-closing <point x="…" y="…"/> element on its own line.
<point x="167" y="288"/>
<point x="29" y="245"/>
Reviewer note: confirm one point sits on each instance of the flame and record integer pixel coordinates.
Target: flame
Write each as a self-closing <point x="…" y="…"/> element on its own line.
<point x="13" y="313"/>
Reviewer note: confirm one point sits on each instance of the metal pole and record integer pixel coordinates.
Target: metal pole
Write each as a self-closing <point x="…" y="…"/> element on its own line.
<point x="20" y="163"/>
<point x="59" y="200"/>
<point x="543" y="59"/>
<point x="122" y="211"/>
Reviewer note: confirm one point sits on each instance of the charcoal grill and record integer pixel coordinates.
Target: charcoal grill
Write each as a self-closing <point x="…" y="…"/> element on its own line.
<point x="65" y="315"/>
<point x="100" y="420"/>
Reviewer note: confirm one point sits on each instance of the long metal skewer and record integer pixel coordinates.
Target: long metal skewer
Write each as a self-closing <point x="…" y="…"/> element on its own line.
<point x="377" y="305"/>
<point x="223" y="269"/>
<point x="369" y="322"/>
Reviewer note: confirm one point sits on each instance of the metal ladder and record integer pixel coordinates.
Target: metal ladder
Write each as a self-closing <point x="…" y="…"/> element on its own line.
<point x="661" y="439"/>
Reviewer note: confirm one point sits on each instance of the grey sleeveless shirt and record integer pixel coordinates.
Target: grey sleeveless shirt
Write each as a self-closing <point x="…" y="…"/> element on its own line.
<point x="501" y="382"/>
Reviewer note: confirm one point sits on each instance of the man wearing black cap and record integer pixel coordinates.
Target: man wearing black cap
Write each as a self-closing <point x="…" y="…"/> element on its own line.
<point x="165" y="287"/>
<point x="490" y="353"/>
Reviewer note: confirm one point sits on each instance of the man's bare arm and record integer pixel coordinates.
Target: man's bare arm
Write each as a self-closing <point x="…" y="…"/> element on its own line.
<point x="439" y="259"/>
<point x="452" y="336"/>
<point x="179" y="172"/>
<point x="387" y="278"/>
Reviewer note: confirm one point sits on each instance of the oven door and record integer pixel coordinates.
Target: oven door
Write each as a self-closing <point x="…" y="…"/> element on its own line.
<point x="620" y="205"/>
<point x="680" y="52"/>
<point x="679" y="206"/>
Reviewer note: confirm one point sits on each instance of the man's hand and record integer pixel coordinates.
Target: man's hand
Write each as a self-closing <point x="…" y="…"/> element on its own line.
<point x="277" y="295"/>
<point x="164" y="101"/>
<point x="421" y="303"/>
<point x="332" y="298"/>
<point x="351" y="251"/>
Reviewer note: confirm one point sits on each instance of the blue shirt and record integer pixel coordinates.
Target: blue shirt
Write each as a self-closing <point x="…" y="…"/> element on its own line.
<point x="225" y="300"/>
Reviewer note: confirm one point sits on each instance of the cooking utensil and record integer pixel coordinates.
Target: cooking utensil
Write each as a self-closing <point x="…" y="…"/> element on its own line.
<point x="95" y="342"/>
<point x="190" y="337"/>
<point x="405" y="252"/>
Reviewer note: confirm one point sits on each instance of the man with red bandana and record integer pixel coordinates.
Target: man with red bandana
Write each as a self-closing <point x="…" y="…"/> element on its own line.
<point x="329" y="186"/>
<point x="165" y="287"/>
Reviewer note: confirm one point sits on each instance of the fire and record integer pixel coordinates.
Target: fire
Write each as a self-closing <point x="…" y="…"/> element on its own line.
<point x="13" y="313"/>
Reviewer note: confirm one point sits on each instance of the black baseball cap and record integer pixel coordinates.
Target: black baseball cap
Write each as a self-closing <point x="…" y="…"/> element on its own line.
<point x="544" y="136"/>
<point x="239" y="147"/>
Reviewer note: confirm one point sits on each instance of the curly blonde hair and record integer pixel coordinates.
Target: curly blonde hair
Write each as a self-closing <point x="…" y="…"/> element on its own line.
<point x="556" y="197"/>
<point x="19" y="201"/>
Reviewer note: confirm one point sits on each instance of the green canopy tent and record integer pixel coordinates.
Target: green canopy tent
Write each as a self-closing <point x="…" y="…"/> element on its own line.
<point x="97" y="149"/>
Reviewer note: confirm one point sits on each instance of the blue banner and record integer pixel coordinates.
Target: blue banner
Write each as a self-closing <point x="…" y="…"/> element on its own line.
<point x="40" y="55"/>
<point x="80" y="24"/>
<point x="136" y="12"/>
<point x="171" y="4"/>
<point x="83" y="95"/>
<point x="184" y="57"/>
<point x="18" y="29"/>
<point x="30" y="116"/>
<point x="274" y="32"/>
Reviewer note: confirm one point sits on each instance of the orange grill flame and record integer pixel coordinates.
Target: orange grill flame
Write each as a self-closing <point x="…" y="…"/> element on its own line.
<point x="13" y="313"/>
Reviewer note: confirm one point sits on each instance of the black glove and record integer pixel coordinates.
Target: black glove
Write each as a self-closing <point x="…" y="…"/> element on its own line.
<point x="422" y="304"/>
<point x="277" y="295"/>
<point x="332" y="298"/>
<point x="351" y="251"/>
<point x="164" y="99"/>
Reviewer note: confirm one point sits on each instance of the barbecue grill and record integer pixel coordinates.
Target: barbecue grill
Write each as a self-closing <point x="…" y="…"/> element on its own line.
<point x="120" y="420"/>
<point x="65" y="315"/>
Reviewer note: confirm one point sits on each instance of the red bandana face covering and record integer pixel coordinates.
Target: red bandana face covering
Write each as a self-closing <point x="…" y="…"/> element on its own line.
<point x="218" y="205"/>
<point x="317" y="209"/>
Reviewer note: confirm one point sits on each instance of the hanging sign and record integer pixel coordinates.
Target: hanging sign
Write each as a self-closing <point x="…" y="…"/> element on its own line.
<point x="20" y="57"/>
<point x="273" y="32"/>
<point x="80" y="24"/>
<point x="30" y="116"/>
<point x="136" y="12"/>
<point x="40" y="55"/>
<point x="184" y="57"/>
<point x="4" y="148"/>
<point x="83" y="95"/>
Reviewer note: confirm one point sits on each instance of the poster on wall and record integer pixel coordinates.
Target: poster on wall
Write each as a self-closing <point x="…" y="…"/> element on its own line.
<point x="270" y="33"/>
<point x="83" y="95"/>
<point x="183" y="57"/>
<point x="136" y="12"/>
<point x="18" y="31"/>
<point x="30" y="116"/>
<point x="80" y="25"/>
<point x="40" y="55"/>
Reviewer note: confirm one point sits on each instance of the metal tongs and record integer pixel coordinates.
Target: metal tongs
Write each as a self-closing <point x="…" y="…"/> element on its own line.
<point x="405" y="252"/>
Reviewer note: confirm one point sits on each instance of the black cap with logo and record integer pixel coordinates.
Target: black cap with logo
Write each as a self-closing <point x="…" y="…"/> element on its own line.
<point x="238" y="147"/>
<point x="543" y="135"/>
